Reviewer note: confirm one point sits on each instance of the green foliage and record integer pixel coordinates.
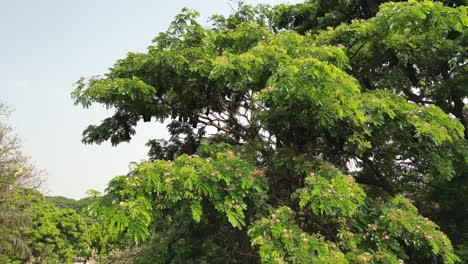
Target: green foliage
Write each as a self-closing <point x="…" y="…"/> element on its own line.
<point x="416" y="49"/>
<point x="331" y="193"/>
<point x="336" y="128"/>
<point x="217" y="179"/>
<point x="383" y="230"/>
<point x="282" y="241"/>
<point x="52" y="235"/>
<point x="218" y="176"/>
<point x="313" y="15"/>
<point x="61" y="235"/>
<point x="32" y="230"/>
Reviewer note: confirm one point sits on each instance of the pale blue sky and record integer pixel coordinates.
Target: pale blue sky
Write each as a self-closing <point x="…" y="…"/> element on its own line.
<point x="46" y="46"/>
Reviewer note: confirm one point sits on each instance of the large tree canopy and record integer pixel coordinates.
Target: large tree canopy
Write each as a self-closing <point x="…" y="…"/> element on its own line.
<point x="290" y="141"/>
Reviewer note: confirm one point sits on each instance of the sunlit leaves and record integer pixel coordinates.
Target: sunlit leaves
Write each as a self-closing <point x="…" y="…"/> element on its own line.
<point x="310" y="85"/>
<point x="225" y="180"/>
<point x="384" y="228"/>
<point x="280" y="240"/>
<point x="45" y="231"/>
<point x="328" y="192"/>
<point x="415" y="48"/>
<point x="430" y="122"/>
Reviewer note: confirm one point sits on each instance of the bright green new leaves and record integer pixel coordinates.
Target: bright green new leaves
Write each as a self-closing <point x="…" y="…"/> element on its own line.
<point x="59" y="235"/>
<point x="403" y="221"/>
<point x="389" y="230"/>
<point x="415" y="48"/>
<point x="309" y="102"/>
<point x="400" y="134"/>
<point x="251" y="69"/>
<point x="331" y="193"/>
<point x="47" y="233"/>
<point x="219" y="177"/>
<point x="310" y="92"/>
<point x="224" y="179"/>
<point x="426" y="15"/>
<point x="430" y="122"/>
<point x="280" y="240"/>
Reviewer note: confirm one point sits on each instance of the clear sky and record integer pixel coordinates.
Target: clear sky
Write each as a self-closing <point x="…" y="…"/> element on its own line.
<point x="45" y="47"/>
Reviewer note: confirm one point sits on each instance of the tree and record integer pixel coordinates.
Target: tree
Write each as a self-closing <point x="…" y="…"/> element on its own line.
<point x="15" y="168"/>
<point x="53" y="235"/>
<point x="31" y="229"/>
<point x="280" y="151"/>
<point x="422" y="58"/>
<point x="15" y="171"/>
<point x="58" y="235"/>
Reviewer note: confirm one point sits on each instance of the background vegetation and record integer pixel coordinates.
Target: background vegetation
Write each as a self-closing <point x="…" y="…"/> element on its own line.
<point x="323" y="132"/>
